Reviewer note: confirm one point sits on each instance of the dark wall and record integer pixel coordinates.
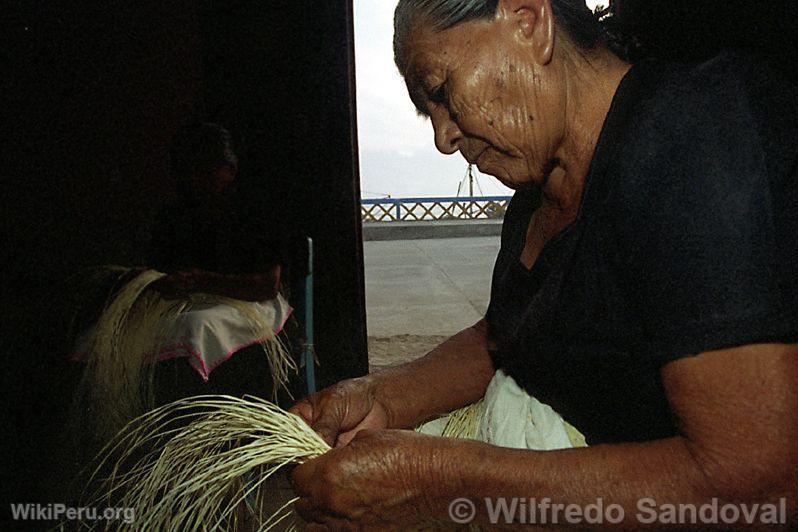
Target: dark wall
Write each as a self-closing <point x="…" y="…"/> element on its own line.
<point x="696" y="29"/>
<point x="96" y="91"/>
<point x="280" y="73"/>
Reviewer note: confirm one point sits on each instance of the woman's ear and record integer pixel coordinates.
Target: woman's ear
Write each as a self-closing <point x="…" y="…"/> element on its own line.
<point x="533" y="21"/>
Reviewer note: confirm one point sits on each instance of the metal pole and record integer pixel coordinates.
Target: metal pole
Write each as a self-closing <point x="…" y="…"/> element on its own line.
<point x="308" y="356"/>
<point x="470" y="190"/>
<point x="470" y="180"/>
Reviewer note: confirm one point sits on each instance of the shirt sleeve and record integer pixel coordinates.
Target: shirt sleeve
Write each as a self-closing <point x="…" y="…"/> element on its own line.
<point x="706" y="248"/>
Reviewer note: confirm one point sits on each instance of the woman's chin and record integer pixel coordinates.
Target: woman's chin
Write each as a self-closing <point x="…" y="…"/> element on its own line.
<point x="508" y="180"/>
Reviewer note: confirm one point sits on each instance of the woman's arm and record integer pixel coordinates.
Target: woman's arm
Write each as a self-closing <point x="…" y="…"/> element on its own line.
<point x="452" y="375"/>
<point x="737" y="410"/>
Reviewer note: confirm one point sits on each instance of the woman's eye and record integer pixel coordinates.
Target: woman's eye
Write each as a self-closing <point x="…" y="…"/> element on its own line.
<point x="438" y="94"/>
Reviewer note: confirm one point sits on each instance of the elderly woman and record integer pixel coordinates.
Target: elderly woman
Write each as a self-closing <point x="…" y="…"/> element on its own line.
<point x="646" y="286"/>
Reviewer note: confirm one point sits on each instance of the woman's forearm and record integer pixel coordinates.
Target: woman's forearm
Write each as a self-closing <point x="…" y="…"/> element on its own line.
<point x="454" y="374"/>
<point x="639" y="477"/>
<point x="736" y="413"/>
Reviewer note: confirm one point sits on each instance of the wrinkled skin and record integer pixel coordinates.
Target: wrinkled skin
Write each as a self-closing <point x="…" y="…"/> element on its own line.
<point x="516" y="98"/>
<point x="511" y="94"/>
<point x="487" y="100"/>
<point x="384" y="479"/>
<point x="405" y="465"/>
<point x="339" y="412"/>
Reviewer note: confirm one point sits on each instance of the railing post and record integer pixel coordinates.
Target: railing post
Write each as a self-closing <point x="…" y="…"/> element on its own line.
<point x="398" y="210"/>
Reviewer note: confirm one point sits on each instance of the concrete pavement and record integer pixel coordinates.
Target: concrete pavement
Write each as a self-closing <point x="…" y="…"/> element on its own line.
<point x="431" y="229"/>
<point x="432" y="287"/>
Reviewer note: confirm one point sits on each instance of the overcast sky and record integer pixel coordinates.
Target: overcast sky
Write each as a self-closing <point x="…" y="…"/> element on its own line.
<point x="397" y="152"/>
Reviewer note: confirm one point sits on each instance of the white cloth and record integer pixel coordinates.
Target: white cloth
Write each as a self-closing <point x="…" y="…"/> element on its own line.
<point x="513" y="418"/>
<point x="210" y="336"/>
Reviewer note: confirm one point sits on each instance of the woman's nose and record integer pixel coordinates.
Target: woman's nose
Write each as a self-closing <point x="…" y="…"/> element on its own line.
<point x="447" y="133"/>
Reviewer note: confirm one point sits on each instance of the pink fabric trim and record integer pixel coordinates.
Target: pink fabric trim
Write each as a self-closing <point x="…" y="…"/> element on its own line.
<point x="187" y="350"/>
<point x="183" y="349"/>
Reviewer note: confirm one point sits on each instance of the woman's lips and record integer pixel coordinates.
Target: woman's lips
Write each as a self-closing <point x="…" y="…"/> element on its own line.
<point x="475" y="160"/>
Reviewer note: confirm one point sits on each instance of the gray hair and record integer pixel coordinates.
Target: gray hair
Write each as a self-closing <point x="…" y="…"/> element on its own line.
<point x="573" y="16"/>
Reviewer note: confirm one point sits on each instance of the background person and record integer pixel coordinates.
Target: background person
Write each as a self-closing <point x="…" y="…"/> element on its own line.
<point x="202" y="238"/>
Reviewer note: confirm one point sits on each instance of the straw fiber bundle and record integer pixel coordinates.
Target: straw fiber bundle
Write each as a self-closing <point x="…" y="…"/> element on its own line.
<point x="126" y="339"/>
<point x="197" y="463"/>
<point x="464" y="422"/>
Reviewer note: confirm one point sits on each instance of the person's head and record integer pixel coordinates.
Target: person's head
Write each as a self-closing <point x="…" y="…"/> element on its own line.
<point x="496" y="77"/>
<point x="202" y="159"/>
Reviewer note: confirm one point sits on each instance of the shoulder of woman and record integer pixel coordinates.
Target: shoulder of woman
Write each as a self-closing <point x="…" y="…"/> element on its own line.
<point x="705" y="129"/>
<point x="731" y="88"/>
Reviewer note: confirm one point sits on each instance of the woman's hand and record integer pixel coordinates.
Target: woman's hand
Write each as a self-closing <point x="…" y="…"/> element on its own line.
<point x="339" y="412"/>
<point x="454" y="374"/>
<point x="384" y="479"/>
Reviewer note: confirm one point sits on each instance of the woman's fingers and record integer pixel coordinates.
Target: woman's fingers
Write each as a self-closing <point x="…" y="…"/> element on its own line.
<point x="328" y="426"/>
<point x="345" y="437"/>
<point x="337" y="489"/>
<point x="321" y="417"/>
<point x="375" y="419"/>
<point x="308" y="510"/>
<point x="303" y="480"/>
<point x="303" y="409"/>
<point x="314" y="505"/>
<point x="307" y="483"/>
<point x="342" y="409"/>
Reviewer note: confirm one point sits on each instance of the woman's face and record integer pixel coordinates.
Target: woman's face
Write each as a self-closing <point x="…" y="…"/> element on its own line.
<point x="488" y="97"/>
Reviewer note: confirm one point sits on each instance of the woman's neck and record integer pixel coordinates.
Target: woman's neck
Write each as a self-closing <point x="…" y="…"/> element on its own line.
<point x="591" y="83"/>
